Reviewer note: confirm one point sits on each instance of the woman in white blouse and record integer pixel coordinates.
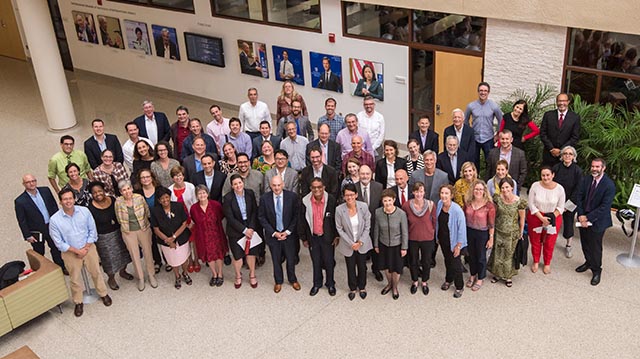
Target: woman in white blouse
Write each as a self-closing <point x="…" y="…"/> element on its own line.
<point x="546" y="204"/>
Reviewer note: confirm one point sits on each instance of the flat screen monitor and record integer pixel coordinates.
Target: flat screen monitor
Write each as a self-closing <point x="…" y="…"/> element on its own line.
<point x="204" y="49"/>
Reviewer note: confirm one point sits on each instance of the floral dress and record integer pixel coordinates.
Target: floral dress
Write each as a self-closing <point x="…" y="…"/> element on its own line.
<point x="507" y="235"/>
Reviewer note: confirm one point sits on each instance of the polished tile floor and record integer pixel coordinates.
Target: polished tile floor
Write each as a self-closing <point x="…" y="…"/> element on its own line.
<point x="554" y="316"/>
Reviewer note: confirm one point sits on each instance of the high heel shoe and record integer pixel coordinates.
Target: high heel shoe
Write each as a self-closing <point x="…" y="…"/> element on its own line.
<point x="186" y="278"/>
<point x="197" y="268"/>
<point x="251" y="281"/>
<point x="238" y="282"/>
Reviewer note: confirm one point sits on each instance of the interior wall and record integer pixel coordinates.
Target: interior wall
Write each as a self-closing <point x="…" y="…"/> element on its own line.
<point x="227" y="84"/>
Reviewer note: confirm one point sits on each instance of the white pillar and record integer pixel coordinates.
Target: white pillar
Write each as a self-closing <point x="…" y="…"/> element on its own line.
<point x="47" y="64"/>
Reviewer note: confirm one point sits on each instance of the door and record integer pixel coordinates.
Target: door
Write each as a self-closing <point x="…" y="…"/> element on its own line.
<point x="457" y="77"/>
<point x="10" y="41"/>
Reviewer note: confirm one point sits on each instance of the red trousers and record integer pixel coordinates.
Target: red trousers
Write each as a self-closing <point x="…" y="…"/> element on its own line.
<point x="542" y="242"/>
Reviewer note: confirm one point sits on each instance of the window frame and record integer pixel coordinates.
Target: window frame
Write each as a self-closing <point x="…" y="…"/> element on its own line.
<point x="150" y="4"/>
<point x="265" y="15"/>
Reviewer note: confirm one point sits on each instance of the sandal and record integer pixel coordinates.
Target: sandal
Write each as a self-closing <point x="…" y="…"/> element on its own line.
<point x="445" y="286"/>
<point x="508" y="283"/>
<point x="238" y="282"/>
<point x="476" y="286"/>
<point x="177" y="284"/>
<point x="254" y="282"/>
<point x="495" y="280"/>
<point x="168" y="268"/>
<point x="471" y="282"/>
<point x="156" y="268"/>
<point x="187" y="279"/>
<point x="220" y="281"/>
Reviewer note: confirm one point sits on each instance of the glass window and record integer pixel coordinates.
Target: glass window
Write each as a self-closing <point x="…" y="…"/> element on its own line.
<point x="301" y="13"/>
<point x="608" y="51"/>
<point x="184" y="5"/>
<point x="620" y="91"/>
<point x="246" y="9"/>
<point x="459" y="31"/>
<point x="582" y="84"/>
<point x="377" y="21"/>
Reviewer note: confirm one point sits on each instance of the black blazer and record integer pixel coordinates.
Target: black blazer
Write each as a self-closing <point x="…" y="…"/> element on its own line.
<point x="375" y="198"/>
<point x="235" y="224"/>
<point x="257" y="145"/>
<point x="92" y="150"/>
<point x="397" y="192"/>
<point x="444" y="164"/>
<point x="381" y="169"/>
<point x="600" y="212"/>
<point x="468" y="141"/>
<point x="517" y="167"/>
<point x="28" y="215"/>
<point x="189" y="164"/>
<point x="164" y="128"/>
<point x="334" y="155"/>
<point x="431" y="142"/>
<point x="173" y="49"/>
<point x="554" y="137"/>
<point x="329" y="178"/>
<point x="290" y="212"/>
<point x="334" y="83"/>
<point x="328" y="223"/>
<point x="215" y="191"/>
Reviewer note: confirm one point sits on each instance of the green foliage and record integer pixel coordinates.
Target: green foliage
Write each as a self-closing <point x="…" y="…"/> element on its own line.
<point x="612" y="133"/>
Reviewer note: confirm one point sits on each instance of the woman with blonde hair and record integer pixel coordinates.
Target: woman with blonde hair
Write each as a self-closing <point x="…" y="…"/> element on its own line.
<point x="468" y="174"/>
<point x="288" y="94"/>
<point x="480" y="216"/>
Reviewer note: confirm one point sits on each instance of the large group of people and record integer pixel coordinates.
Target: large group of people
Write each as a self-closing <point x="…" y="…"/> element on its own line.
<point x="161" y="197"/>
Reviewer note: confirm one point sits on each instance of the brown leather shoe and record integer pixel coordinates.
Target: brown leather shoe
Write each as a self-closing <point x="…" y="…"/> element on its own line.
<point x="78" y="310"/>
<point x="296" y="285"/>
<point x="106" y="300"/>
<point x="277" y="288"/>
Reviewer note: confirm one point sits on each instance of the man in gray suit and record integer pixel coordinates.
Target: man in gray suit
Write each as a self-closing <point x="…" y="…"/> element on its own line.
<point x="370" y="192"/>
<point x="303" y="125"/>
<point x="513" y="155"/>
<point x="289" y="175"/>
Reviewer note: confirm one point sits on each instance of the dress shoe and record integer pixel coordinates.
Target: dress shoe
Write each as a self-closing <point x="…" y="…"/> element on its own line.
<point x="378" y="275"/>
<point x="395" y="296"/>
<point x="78" y="310"/>
<point x="363" y="294"/>
<point x="296" y="285"/>
<point x="277" y="288"/>
<point x="425" y="289"/>
<point x="212" y="281"/>
<point x="352" y="295"/>
<point x="141" y="284"/>
<point x="113" y="284"/>
<point x="458" y="293"/>
<point x="386" y="290"/>
<point x="582" y="268"/>
<point x="332" y="291"/>
<point x="220" y="282"/>
<point x="596" y="279"/>
<point x="106" y="300"/>
<point x="153" y="282"/>
<point x="314" y="291"/>
<point x="414" y="288"/>
<point x="227" y="260"/>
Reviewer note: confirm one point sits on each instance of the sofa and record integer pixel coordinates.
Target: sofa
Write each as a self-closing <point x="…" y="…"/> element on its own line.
<point x="29" y="298"/>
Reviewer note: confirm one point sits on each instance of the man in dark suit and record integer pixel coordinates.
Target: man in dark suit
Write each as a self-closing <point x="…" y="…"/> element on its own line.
<point x="427" y="138"/>
<point x="466" y="139"/>
<point x="452" y="157"/>
<point x="513" y="155"/>
<point x="595" y="197"/>
<point x="165" y="47"/>
<point x="559" y="128"/>
<point x="401" y="189"/>
<point x="278" y="214"/>
<point x="328" y="175"/>
<point x="331" y="151"/>
<point x="265" y="135"/>
<point x="370" y="192"/>
<point x="153" y="123"/>
<point x="329" y="80"/>
<point x="319" y="233"/>
<point x="246" y="66"/>
<point x="99" y="142"/>
<point x="214" y="180"/>
<point x="34" y="207"/>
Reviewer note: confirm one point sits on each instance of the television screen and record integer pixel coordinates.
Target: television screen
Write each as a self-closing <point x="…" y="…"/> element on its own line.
<point x="204" y="49"/>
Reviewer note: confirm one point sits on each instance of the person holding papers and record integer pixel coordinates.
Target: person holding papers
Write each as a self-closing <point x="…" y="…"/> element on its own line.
<point x="568" y="175"/>
<point x="241" y="212"/>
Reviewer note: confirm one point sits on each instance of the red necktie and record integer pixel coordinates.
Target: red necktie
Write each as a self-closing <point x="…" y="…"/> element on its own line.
<point x="402" y="198"/>
<point x="560" y="120"/>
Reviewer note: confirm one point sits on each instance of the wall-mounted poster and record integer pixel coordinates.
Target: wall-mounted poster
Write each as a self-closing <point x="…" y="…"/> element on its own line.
<point x="326" y="71"/>
<point x="137" y="36"/>
<point x="288" y="64"/>
<point x="85" y="27"/>
<point x="110" y="32"/>
<point x="366" y="78"/>
<point x="166" y="42"/>
<point x="253" y="58"/>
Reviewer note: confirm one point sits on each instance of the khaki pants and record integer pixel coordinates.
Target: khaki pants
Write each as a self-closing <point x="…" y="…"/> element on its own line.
<point x="140" y="239"/>
<point x="74" y="265"/>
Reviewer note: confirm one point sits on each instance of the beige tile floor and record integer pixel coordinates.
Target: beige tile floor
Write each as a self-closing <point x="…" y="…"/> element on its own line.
<point x="555" y="316"/>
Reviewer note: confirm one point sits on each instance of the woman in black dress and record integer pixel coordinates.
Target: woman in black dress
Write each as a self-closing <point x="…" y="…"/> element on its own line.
<point x="517" y="122"/>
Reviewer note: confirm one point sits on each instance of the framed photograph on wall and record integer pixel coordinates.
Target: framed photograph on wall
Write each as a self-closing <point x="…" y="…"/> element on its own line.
<point x="288" y="64"/>
<point x="326" y="71"/>
<point x="137" y="36"/>
<point x="110" y="32"/>
<point x="166" y="42"/>
<point x="85" y="27"/>
<point x="366" y="78"/>
<point x="253" y="58"/>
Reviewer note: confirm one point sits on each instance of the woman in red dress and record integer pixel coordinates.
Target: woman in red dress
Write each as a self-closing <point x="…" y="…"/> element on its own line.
<point x="211" y="241"/>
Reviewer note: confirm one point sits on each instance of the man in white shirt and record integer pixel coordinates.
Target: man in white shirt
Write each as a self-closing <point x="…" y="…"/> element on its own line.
<point x="286" y="67"/>
<point x="218" y="128"/>
<point x="372" y="122"/>
<point x="127" y="148"/>
<point x="252" y="113"/>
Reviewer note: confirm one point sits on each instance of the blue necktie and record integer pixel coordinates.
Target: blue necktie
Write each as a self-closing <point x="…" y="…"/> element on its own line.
<point x="298" y="128"/>
<point x="279" y="225"/>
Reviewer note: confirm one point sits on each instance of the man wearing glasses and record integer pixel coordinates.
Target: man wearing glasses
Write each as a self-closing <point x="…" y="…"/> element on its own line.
<point x="60" y="160"/>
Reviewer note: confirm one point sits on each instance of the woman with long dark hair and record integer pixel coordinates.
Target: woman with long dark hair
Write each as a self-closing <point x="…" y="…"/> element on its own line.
<point x="517" y="121"/>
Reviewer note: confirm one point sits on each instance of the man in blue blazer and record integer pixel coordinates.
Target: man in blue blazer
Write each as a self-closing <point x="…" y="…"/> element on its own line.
<point x="278" y="214"/>
<point x="467" y="142"/>
<point x="34" y="207"/>
<point x="99" y="142"/>
<point x="153" y="125"/>
<point x="595" y="196"/>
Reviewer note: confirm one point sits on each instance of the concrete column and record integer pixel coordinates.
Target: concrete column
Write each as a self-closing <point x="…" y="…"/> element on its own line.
<point x="47" y="64"/>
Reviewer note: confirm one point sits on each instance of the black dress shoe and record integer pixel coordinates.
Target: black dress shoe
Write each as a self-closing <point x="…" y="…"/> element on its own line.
<point x="414" y="289"/>
<point x="78" y="310"/>
<point x="596" y="279"/>
<point x="378" y="275"/>
<point x="314" y="291"/>
<point x="352" y="295"/>
<point x="227" y="260"/>
<point x="363" y="294"/>
<point x="582" y="268"/>
<point x="213" y="281"/>
<point x="332" y="291"/>
<point x="395" y="296"/>
<point x="425" y="289"/>
<point x="106" y="300"/>
<point x="386" y="290"/>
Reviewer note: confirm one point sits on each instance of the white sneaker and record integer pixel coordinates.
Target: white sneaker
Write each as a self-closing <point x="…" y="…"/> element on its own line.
<point x="567" y="251"/>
